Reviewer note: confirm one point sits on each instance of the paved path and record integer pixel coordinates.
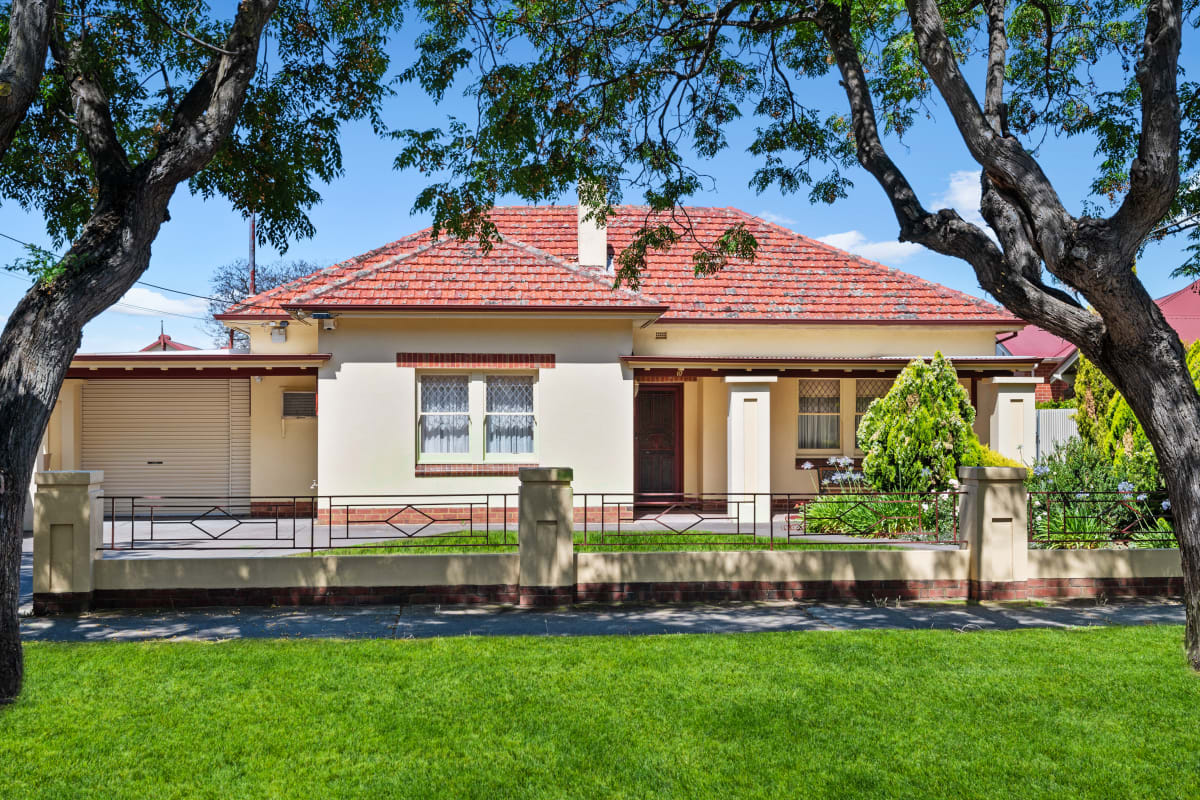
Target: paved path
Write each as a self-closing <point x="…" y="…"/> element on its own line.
<point x="428" y="621"/>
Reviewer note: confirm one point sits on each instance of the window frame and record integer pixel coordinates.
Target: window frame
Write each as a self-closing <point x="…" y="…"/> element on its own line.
<point x="477" y="419"/>
<point x="857" y="416"/>
<point x="820" y="451"/>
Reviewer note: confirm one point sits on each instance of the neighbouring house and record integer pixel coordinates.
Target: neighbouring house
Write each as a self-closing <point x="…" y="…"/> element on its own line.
<point x="441" y="368"/>
<point x="165" y="343"/>
<point x="1057" y="357"/>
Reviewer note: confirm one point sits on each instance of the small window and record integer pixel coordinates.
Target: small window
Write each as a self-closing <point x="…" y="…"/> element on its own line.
<point x="867" y="391"/>
<point x="508" y="424"/>
<point x="819" y="420"/>
<point x="299" y="404"/>
<point x="445" y="424"/>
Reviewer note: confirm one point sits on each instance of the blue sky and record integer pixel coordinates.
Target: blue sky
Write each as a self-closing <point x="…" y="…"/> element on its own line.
<point x="371" y="203"/>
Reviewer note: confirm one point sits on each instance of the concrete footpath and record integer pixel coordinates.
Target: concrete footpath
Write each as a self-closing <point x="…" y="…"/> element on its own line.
<point x="419" y="622"/>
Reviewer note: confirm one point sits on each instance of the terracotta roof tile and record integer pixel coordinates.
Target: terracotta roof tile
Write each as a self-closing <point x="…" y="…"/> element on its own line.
<point x="792" y="278"/>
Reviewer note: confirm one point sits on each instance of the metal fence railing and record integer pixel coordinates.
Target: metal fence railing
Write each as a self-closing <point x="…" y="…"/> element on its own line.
<point x="1062" y="520"/>
<point x="312" y="524"/>
<point x="845" y="519"/>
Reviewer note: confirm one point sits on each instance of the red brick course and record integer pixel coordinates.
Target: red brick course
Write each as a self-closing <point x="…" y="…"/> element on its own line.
<point x="476" y="360"/>
<point x="1109" y="587"/>
<point x="301" y="596"/>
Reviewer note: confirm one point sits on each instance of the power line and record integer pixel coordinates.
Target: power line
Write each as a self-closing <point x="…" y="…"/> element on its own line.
<point x="242" y="303"/>
<point x="160" y="311"/>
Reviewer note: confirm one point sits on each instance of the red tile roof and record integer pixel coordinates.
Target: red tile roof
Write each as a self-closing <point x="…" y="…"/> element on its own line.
<point x="792" y="278"/>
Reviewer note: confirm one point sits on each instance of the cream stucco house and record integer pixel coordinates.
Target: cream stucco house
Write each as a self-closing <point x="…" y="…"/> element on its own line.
<point x="435" y="367"/>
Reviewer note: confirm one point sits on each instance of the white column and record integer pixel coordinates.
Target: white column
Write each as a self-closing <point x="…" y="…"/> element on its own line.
<point x="748" y="447"/>
<point x="1012" y="420"/>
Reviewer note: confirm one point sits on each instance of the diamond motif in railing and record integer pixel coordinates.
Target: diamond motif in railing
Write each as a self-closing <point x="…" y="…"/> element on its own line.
<point x="399" y="512"/>
<point x="215" y="510"/>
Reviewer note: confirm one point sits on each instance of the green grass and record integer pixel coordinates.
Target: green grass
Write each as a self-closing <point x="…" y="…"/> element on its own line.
<point x="1101" y="713"/>
<point x="665" y="541"/>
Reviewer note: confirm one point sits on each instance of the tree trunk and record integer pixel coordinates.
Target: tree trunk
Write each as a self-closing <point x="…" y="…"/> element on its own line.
<point x="1152" y="375"/>
<point x="36" y="348"/>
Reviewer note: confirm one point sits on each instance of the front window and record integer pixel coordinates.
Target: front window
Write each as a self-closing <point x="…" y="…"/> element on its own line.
<point x="476" y="417"/>
<point x="445" y="424"/>
<point x="867" y="391"/>
<point x="509" y="420"/>
<point x="820" y="413"/>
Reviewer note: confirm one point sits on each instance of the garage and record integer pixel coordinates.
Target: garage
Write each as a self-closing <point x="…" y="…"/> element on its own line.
<point x="160" y="438"/>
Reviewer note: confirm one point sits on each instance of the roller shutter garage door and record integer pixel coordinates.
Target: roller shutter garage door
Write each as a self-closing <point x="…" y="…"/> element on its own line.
<point x="168" y="437"/>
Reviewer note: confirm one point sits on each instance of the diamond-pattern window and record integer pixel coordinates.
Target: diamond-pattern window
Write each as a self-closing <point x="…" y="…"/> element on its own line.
<point x="445" y="394"/>
<point x="819" y="415"/>
<point x="508" y="426"/>
<point x="445" y="419"/>
<point x="511" y="395"/>
<point x="867" y="391"/>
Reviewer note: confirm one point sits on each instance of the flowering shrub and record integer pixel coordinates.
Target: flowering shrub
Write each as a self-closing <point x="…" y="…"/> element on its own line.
<point x="916" y="435"/>
<point x="851" y="507"/>
<point x="1081" y="499"/>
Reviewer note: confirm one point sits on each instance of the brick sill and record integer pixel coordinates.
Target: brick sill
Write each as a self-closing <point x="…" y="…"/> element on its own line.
<point x="469" y="470"/>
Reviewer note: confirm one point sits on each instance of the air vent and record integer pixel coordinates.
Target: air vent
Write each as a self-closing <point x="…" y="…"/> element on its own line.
<point x="299" y="404"/>
<point x="660" y="334"/>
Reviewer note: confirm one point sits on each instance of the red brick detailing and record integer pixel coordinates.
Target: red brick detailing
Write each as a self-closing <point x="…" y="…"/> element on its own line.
<point x="476" y="360"/>
<point x="996" y="590"/>
<point x="643" y="378"/>
<point x="1109" y="587"/>
<point x="1047" y="390"/>
<point x="495" y="513"/>
<point x="282" y="509"/>
<point x="469" y="470"/>
<point x="724" y="591"/>
<point x="61" y="602"/>
<point x="546" y="596"/>
<point x="304" y="596"/>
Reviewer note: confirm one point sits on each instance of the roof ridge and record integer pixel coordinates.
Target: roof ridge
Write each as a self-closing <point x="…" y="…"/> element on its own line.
<point x="296" y="283"/>
<point x="362" y="273"/>
<point x="577" y="269"/>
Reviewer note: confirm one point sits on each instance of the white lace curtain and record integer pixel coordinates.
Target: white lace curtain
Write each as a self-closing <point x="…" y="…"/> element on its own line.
<point x="445" y="414"/>
<point x="509" y="424"/>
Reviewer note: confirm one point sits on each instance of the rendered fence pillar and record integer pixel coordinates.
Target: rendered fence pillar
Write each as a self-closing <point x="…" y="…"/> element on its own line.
<point x="545" y="525"/>
<point x="994" y="523"/>
<point x="749" y="447"/>
<point x="68" y="519"/>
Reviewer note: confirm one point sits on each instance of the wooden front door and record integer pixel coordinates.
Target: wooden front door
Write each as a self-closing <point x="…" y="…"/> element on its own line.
<point x="658" y="452"/>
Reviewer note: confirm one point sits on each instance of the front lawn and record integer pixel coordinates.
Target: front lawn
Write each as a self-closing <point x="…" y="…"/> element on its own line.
<point x="662" y="541"/>
<point x="1088" y="713"/>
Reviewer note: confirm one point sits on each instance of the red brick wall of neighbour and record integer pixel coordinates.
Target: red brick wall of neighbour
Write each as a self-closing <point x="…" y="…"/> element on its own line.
<point x="476" y="360"/>
<point x="1047" y="390"/>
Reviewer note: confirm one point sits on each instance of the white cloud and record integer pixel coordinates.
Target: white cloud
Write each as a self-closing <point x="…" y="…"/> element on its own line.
<point x="962" y="195"/>
<point x="884" y="252"/>
<point x="141" y="302"/>
<point x="776" y="219"/>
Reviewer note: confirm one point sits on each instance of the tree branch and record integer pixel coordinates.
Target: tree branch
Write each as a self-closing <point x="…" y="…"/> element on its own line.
<point x="29" y="25"/>
<point x="1154" y="174"/>
<point x="92" y="118"/>
<point x="993" y="98"/>
<point x="1003" y="158"/>
<point x="945" y="232"/>
<point x="212" y="48"/>
<point x="207" y="113"/>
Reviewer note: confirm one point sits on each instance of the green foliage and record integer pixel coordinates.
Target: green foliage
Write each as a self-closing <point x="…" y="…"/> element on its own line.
<point x="323" y="63"/>
<point x="980" y="455"/>
<point x="1107" y="422"/>
<point x="897" y="713"/>
<point x="631" y="94"/>
<point x="1067" y="403"/>
<point x="915" y="437"/>
<point x="1081" y="499"/>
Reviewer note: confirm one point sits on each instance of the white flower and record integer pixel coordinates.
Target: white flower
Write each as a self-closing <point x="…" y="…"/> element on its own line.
<point x="1125" y="487"/>
<point x="1141" y="497"/>
<point x="806" y="465"/>
<point x="1166" y="505"/>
